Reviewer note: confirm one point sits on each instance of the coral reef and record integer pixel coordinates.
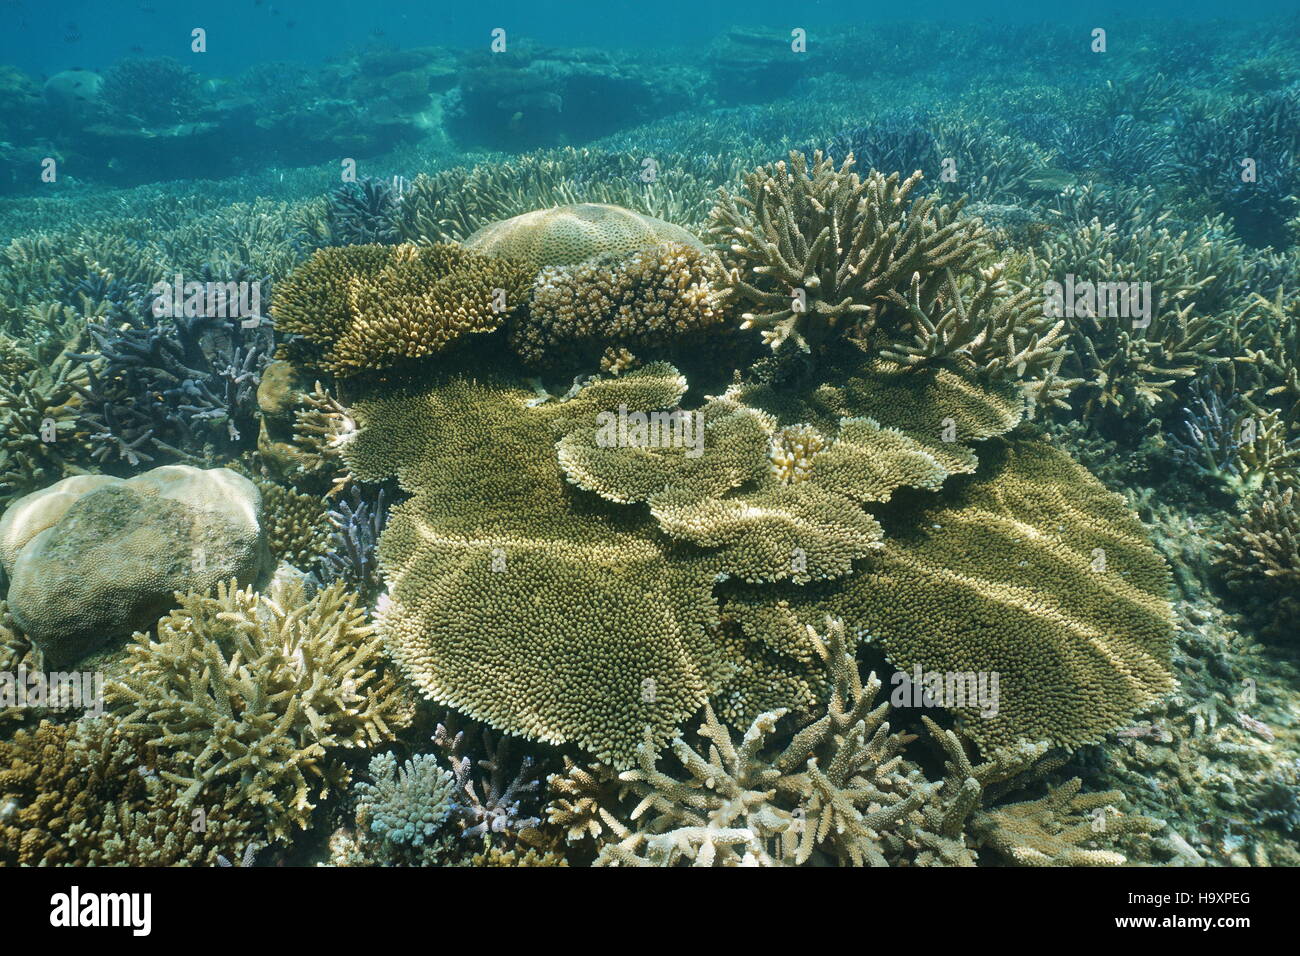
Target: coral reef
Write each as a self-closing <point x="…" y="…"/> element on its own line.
<point x="1259" y="557"/>
<point x="645" y="301"/>
<point x="93" y="793"/>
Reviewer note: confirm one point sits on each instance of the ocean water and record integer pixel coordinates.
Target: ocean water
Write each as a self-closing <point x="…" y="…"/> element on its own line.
<point x="432" y="434"/>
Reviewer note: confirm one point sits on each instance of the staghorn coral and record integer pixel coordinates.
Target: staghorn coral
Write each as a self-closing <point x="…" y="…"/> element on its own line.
<point x="265" y="690"/>
<point x="825" y="253"/>
<point x="489" y="797"/>
<point x="841" y="240"/>
<point x="647" y="300"/>
<point x="373" y="307"/>
<point x="832" y="789"/>
<point x="1062" y="828"/>
<point x="41" y="436"/>
<point x="153" y="91"/>
<point x="1259" y="557"/>
<point x="1231" y="444"/>
<point x="1130" y="367"/>
<point x="568" y="235"/>
<point x="578" y="801"/>
<point x="362" y="212"/>
<point x="349" y="554"/>
<point x="178" y="387"/>
<point x="841" y="789"/>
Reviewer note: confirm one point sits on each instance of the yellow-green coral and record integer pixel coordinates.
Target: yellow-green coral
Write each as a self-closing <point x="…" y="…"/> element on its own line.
<point x="374" y="306"/>
<point x="265" y="690"/>
<point x="814" y="248"/>
<point x="92" y="792"/>
<point x="297" y="529"/>
<point x="1031" y="570"/>
<point x="1259" y="556"/>
<point x="511" y="602"/>
<point x="568" y="235"/>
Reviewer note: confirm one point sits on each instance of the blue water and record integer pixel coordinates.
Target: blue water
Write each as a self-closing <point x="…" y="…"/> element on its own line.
<point x="45" y="37"/>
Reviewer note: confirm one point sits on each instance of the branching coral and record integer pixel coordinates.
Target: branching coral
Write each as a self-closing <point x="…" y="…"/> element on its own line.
<point x="1062" y="828"/>
<point x="840" y="789"/>
<point x="350" y="554"/>
<point x="489" y="797"/>
<point x="175" y="386"/>
<point x="832" y="789"/>
<point x="817" y="252"/>
<point x="41" y="438"/>
<point x="648" y="300"/>
<point x="815" y="248"/>
<point x="296" y="524"/>
<point x="373" y="307"/>
<point x="1259" y="557"/>
<point x="263" y="690"/>
<point x="92" y="792"/>
<point x="405" y="804"/>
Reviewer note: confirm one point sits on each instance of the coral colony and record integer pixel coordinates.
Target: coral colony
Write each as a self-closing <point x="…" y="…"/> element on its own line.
<point x="517" y="455"/>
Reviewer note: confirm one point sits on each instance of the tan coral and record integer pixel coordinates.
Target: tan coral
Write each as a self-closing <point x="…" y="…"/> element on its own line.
<point x="568" y="235"/>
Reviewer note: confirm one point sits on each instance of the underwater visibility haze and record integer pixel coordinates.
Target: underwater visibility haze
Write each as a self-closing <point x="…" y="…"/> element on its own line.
<point x="685" y="435"/>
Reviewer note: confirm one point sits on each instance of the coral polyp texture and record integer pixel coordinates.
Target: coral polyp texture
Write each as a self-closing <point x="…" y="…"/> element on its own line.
<point x="568" y="235"/>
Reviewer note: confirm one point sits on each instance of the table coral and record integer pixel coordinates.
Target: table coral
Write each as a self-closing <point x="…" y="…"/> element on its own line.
<point x="1031" y="570"/>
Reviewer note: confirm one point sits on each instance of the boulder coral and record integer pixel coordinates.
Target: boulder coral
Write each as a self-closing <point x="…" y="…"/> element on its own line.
<point x="93" y="557"/>
<point x="568" y="235"/>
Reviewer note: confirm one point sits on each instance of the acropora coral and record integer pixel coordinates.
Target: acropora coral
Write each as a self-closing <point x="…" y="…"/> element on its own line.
<point x="264" y="690"/>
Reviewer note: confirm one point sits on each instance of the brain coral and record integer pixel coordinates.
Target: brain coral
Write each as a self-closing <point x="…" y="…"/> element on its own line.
<point x="375" y="306"/>
<point x="568" y="235"/>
